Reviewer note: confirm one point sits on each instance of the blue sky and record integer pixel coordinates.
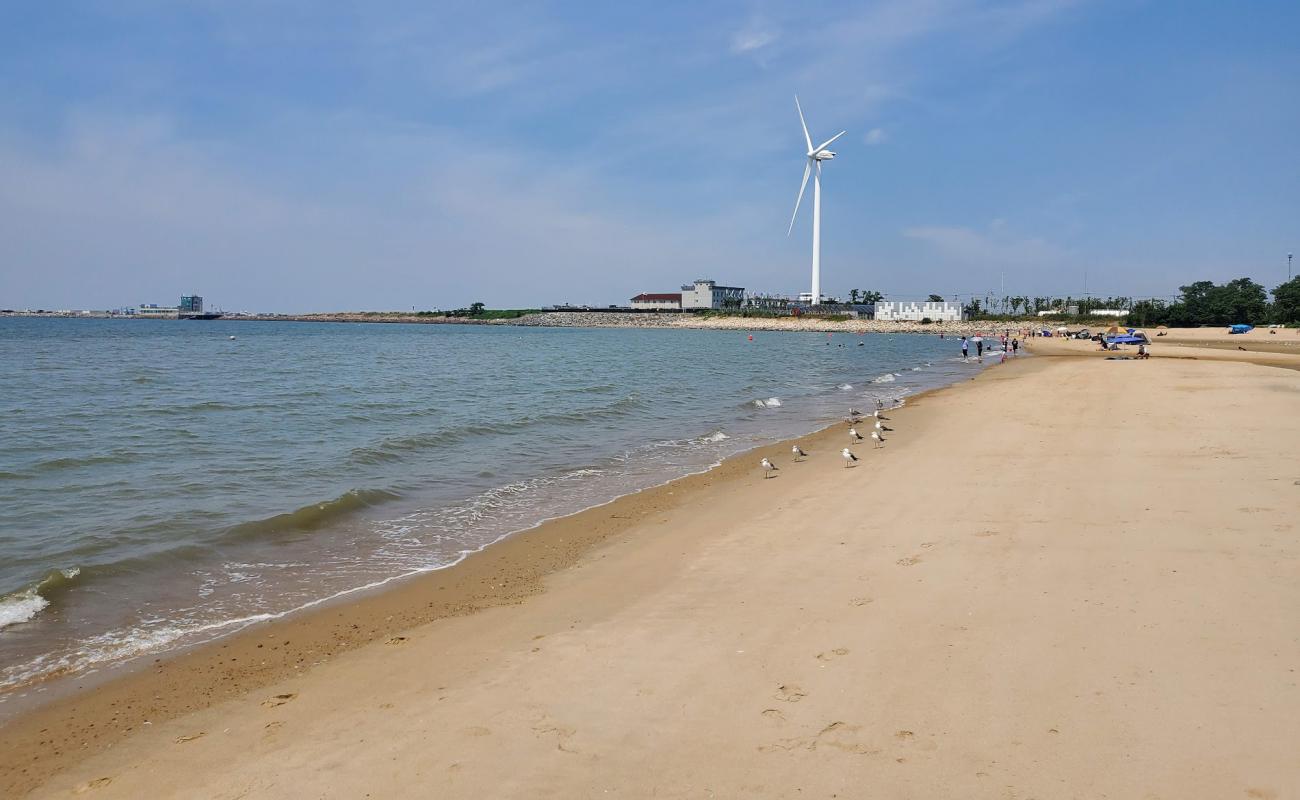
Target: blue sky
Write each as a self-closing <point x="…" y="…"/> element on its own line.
<point x="303" y="156"/>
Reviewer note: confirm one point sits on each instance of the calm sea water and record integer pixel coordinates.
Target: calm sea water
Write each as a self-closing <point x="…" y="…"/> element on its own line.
<point x="162" y="483"/>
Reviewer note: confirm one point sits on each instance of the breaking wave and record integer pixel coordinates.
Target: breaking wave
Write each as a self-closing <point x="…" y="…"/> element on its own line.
<point x="24" y="605"/>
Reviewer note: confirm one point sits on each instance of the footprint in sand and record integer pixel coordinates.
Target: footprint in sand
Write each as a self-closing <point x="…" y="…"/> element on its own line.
<point x="279" y="700"/>
<point x="790" y="693"/>
<point x="774" y="714"/>
<point x="987" y="533"/>
<point x="908" y="561"/>
<point x="98" y="783"/>
<point x="191" y="737"/>
<point x="860" y="601"/>
<point x="832" y="654"/>
<point x="396" y="640"/>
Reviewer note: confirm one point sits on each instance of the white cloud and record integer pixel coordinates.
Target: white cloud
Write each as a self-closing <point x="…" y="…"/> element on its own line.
<point x="875" y="136"/>
<point x="754" y="36"/>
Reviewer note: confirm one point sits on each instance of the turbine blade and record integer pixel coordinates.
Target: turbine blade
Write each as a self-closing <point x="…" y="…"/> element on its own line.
<point x="807" y="168"/>
<point x="806" y="137"/>
<point x="827" y="143"/>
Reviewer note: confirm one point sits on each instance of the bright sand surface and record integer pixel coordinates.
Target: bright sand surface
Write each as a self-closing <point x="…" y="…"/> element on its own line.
<point x="1069" y="577"/>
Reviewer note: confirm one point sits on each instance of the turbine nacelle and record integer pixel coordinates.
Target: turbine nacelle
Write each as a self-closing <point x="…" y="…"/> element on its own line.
<point x="823" y="155"/>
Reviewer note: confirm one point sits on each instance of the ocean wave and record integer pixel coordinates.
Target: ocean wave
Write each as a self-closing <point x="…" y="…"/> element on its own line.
<point x="714" y="438"/>
<point x="846" y="386"/>
<point x="312" y="517"/>
<point x="888" y="377"/>
<point x="397" y="448"/>
<point x="771" y="402"/>
<point x="25" y="604"/>
<point x="76" y="462"/>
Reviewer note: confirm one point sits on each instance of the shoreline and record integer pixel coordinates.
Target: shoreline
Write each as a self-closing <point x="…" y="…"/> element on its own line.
<point x="511" y="613"/>
<point x="32" y="693"/>
<point x="100" y="707"/>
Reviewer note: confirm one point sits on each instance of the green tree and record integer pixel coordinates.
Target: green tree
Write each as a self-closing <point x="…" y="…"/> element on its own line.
<point x="936" y="298"/>
<point x="475" y="309"/>
<point x="853" y="296"/>
<point x="872" y="297"/>
<point x="1286" y="301"/>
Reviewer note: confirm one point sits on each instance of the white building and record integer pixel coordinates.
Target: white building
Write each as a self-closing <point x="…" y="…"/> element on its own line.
<point x="707" y="294"/>
<point x="898" y="311"/>
<point x="149" y="310"/>
<point x="1108" y="312"/>
<point x="806" y="297"/>
<point x="657" y="302"/>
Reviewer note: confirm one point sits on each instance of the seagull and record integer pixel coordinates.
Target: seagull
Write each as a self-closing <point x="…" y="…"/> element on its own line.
<point x="854" y="413"/>
<point x="768" y="468"/>
<point x="880" y="441"/>
<point x="853" y="433"/>
<point x="880" y="427"/>
<point x="880" y="403"/>
<point x="798" y="452"/>
<point x="849" y="458"/>
<point x="878" y="415"/>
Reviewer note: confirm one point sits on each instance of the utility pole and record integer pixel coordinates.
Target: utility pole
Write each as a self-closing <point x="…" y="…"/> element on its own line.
<point x="1288" y="267"/>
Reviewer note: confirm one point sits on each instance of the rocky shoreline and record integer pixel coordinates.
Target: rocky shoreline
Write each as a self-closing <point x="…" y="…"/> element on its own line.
<point x="597" y="319"/>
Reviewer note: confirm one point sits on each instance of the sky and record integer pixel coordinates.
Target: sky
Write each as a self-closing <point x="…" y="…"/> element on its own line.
<point x="294" y="155"/>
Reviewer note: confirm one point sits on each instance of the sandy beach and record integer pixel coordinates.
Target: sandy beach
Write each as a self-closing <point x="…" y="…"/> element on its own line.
<point x="1068" y="577"/>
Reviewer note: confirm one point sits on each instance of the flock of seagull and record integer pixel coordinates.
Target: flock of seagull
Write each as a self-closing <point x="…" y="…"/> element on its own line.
<point x="854" y="419"/>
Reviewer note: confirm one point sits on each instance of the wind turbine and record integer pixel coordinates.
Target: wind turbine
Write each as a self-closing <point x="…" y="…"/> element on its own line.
<point x="816" y="155"/>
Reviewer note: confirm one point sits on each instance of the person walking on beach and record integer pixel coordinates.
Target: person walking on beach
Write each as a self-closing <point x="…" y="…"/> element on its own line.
<point x="979" y="346"/>
<point x="965" y="348"/>
<point x="1015" y="347"/>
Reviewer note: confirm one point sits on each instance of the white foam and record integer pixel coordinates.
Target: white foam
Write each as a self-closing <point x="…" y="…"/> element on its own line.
<point x="888" y="377"/>
<point x="846" y="386"/>
<point x="715" y="437"/>
<point x="21" y="607"/>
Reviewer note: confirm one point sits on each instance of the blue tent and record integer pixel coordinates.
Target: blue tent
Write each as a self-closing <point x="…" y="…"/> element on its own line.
<point x="1240" y="328"/>
<point x="1129" y="339"/>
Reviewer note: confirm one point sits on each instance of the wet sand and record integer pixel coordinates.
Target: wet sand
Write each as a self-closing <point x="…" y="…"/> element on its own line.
<point x="1032" y="590"/>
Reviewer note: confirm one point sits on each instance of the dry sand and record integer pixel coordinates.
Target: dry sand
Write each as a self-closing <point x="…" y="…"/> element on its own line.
<point x="1070" y="577"/>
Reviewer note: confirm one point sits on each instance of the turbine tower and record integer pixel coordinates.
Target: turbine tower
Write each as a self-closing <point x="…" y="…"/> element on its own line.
<point x="816" y="155"/>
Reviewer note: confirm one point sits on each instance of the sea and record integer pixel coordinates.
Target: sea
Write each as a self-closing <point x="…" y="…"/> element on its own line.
<point x="167" y="482"/>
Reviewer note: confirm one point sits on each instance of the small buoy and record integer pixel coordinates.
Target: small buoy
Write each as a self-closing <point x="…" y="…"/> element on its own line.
<point x="232" y="338"/>
<point x="751" y="337"/>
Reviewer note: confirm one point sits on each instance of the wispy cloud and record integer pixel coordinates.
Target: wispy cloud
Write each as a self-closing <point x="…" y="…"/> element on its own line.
<point x="875" y="136"/>
<point x="754" y="36"/>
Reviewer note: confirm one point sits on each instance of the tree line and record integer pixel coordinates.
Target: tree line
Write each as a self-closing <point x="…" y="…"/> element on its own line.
<point x="1237" y="301"/>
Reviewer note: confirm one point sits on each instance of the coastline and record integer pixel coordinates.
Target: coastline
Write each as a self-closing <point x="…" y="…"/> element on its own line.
<point x="519" y="573"/>
<point x="101" y="707"/>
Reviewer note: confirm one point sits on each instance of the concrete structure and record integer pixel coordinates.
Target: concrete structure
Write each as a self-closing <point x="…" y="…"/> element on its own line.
<point x="896" y="311"/>
<point x="807" y="297"/>
<point x="151" y="311"/>
<point x="1108" y="312"/>
<point x="708" y="294"/>
<point x="191" y="304"/>
<point x="657" y="302"/>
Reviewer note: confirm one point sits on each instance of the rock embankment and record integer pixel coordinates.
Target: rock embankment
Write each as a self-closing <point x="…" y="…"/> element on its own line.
<point x="597" y="319"/>
<point x="794" y="324"/>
